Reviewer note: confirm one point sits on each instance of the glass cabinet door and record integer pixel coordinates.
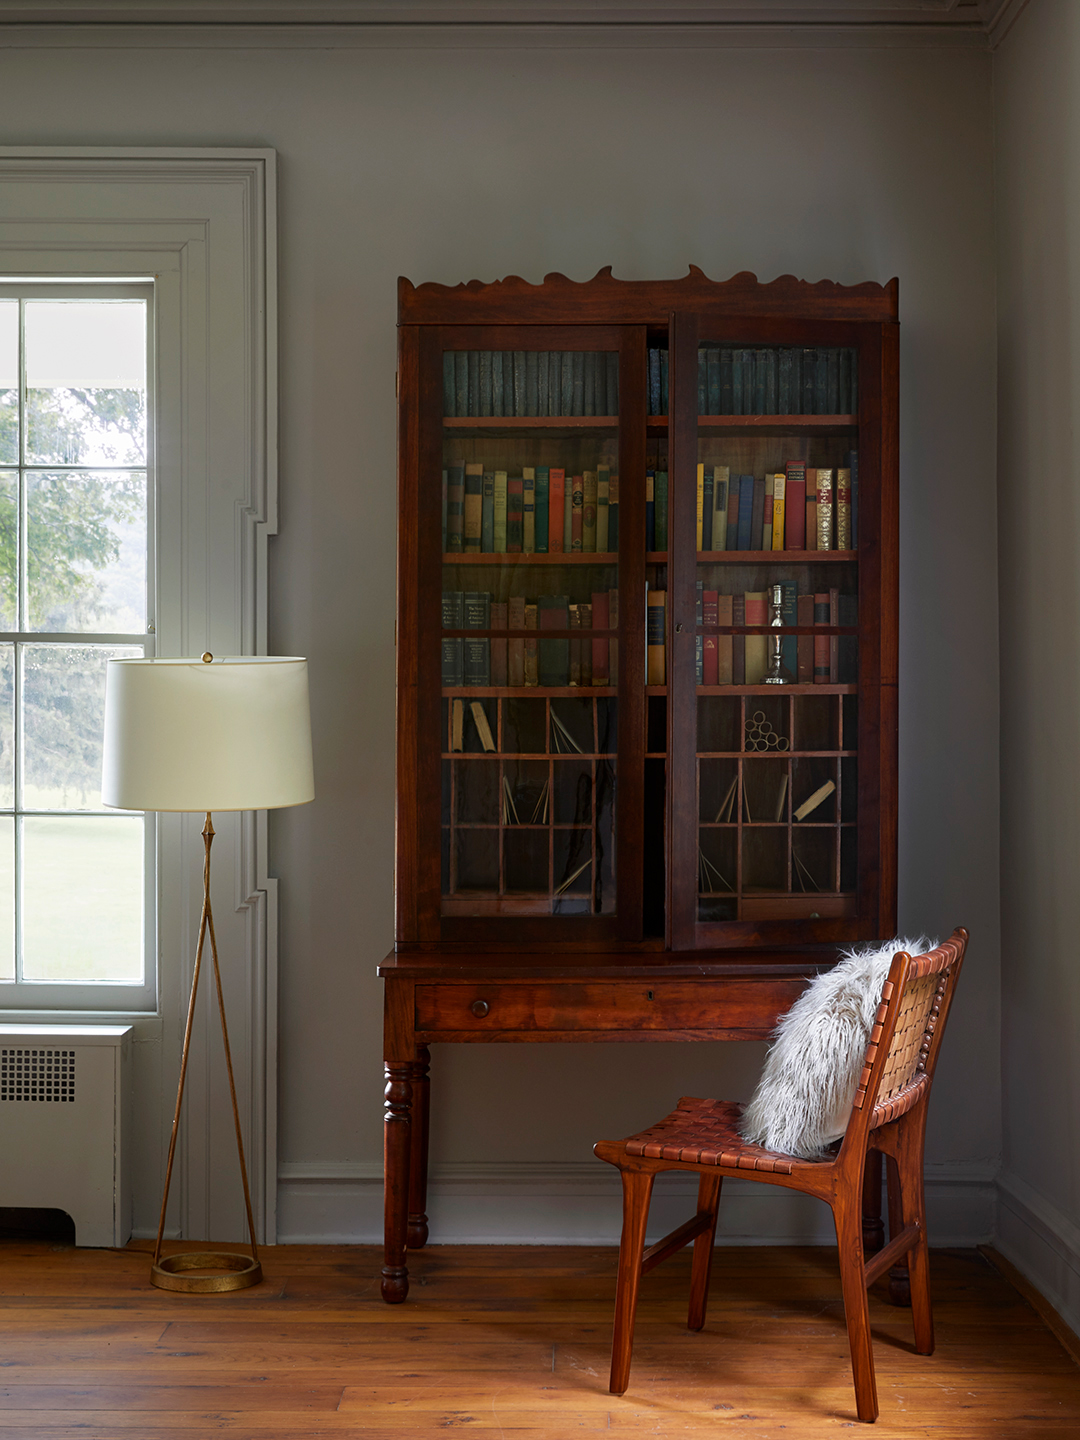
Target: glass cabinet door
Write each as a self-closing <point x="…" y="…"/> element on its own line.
<point x="532" y="514"/>
<point x="769" y="511"/>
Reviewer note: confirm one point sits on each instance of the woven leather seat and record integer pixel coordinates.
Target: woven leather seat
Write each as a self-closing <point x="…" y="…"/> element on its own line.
<point x="888" y="1115"/>
<point x="706" y="1132"/>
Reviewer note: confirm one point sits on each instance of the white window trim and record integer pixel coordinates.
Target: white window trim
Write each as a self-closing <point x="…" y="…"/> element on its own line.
<point x="203" y="223"/>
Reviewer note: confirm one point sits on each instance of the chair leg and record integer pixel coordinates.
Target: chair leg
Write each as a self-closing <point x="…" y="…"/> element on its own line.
<point x="637" y="1192"/>
<point x="899" y="1281"/>
<point x="708" y="1200"/>
<point x="909" y="1168"/>
<point x="848" y="1220"/>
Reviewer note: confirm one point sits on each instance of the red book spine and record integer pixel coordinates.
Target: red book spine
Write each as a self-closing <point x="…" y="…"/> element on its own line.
<point x="795" y="507"/>
<point x="821" y="642"/>
<point x="723" y="642"/>
<point x="577" y="514"/>
<point x="738" y="642"/>
<point x="601" y="672"/>
<point x="556" y="504"/>
<point x="710" y="657"/>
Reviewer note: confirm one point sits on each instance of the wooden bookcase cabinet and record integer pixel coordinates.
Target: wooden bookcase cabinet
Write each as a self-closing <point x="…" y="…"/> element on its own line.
<point x="585" y="827"/>
<point x="580" y="911"/>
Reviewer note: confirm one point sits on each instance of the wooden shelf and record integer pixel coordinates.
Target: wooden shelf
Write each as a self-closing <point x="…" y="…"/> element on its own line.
<point x="753" y="424"/>
<point x="516" y="557"/>
<point x="538" y="692"/>
<point x="514" y="424"/>
<point x="771" y="557"/>
<point x="777" y="690"/>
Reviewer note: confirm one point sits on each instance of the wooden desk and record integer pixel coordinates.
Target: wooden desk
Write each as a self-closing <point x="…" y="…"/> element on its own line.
<point x="454" y="998"/>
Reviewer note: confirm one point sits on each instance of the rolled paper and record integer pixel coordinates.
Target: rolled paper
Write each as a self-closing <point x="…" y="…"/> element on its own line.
<point x="783" y="743"/>
<point x="759" y="716"/>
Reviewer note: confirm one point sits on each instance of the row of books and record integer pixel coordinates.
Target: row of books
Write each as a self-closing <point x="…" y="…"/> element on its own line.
<point x="484" y="383"/>
<point x="744" y="659"/>
<point x="765" y="380"/>
<point x="522" y="661"/>
<point x="541" y="511"/>
<point x="802" y="507"/>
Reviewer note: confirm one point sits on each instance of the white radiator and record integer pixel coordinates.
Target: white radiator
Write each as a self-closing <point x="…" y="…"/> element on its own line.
<point x="64" y="1125"/>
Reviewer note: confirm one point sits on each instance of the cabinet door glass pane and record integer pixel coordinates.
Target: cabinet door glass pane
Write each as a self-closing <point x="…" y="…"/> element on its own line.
<point x="776" y="510"/>
<point x="529" y="648"/>
<point x="9" y="382"/>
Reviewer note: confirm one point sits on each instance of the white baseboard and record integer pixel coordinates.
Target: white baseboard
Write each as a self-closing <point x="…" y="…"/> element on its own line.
<point x="572" y="1203"/>
<point x="1043" y="1243"/>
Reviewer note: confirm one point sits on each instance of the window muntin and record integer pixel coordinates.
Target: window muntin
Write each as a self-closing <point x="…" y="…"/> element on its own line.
<point x="75" y="907"/>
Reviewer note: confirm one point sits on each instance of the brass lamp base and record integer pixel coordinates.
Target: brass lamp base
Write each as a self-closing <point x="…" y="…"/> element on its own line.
<point x="167" y="1274"/>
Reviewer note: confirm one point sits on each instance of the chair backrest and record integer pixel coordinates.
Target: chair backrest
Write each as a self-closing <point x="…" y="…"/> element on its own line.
<point x="906" y="1036"/>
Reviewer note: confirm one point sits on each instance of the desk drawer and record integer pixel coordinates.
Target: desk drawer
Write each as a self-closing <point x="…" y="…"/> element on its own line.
<point x="630" y="1006"/>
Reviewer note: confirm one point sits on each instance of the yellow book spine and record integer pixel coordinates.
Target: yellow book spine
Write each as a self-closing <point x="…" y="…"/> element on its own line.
<point x="824" y="509"/>
<point x="700" y="507"/>
<point x="779" y="487"/>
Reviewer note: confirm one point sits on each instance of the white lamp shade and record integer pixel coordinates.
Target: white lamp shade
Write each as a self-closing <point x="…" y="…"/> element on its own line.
<point x="232" y="734"/>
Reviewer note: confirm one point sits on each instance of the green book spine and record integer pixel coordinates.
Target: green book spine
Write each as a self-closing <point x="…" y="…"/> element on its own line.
<point x="474" y="381"/>
<point x="487" y="513"/>
<point x="543" y="480"/>
<point x="660" y="510"/>
<point x="499" y="513"/>
<point x="789" y="615"/>
<point x="485" y="383"/>
<point x="528" y="510"/>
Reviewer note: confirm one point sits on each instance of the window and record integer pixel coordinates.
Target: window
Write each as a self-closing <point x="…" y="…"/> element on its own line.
<point x="75" y="906"/>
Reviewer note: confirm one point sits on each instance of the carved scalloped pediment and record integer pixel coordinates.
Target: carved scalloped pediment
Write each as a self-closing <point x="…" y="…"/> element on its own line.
<point x="607" y="299"/>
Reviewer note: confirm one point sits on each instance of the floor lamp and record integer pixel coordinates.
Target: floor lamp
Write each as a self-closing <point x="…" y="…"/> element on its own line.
<point x="204" y="735"/>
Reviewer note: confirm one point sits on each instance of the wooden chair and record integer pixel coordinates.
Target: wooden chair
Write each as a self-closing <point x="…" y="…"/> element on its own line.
<point x="889" y="1115"/>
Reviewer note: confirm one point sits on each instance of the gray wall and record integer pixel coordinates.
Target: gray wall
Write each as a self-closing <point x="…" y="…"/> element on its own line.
<point x="482" y="157"/>
<point x="1038" y="210"/>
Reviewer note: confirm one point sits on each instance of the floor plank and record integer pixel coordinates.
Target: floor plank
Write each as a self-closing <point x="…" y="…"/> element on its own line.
<point x="510" y="1341"/>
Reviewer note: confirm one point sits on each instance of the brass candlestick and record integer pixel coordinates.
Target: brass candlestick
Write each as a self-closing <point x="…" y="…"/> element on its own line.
<point x="776" y="599"/>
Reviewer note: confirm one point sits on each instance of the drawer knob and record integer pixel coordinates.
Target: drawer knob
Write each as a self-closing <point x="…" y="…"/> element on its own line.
<point x="479" y="1008"/>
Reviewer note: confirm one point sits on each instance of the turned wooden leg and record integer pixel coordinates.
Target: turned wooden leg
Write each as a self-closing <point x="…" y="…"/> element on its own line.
<point x="708" y="1201"/>
<point x="873" y="1229"/>
<point x="899" y="1278"/>
<point x="637" y="1191"/>
<point x="396" y="1152"/>
<point x="418" y="1162"/>
<point x="856" y="1309"/>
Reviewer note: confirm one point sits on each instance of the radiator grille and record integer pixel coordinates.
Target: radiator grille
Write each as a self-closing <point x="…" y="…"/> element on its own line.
<point x="47" y="1075"/>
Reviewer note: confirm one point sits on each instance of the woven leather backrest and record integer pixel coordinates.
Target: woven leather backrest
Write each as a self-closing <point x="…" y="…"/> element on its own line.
<point x="903" y="1077"/>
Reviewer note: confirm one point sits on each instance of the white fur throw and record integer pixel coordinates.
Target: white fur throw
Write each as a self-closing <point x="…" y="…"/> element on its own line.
<point x="803" y="1100"/>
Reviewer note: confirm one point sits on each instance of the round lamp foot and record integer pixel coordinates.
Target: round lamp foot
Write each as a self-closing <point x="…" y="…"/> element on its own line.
<point x="169" y="1272"/>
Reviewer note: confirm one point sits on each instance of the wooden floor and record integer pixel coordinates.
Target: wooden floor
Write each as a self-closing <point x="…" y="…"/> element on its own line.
<point x="505" y="1340"/>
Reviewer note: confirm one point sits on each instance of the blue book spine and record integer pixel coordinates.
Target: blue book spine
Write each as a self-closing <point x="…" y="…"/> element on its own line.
<point x="663" y="382"/>
<point x="772" y="380"/>
<point x="589" y="383"/>
<point x="746" y="510"/>
<point x="448" y="383"/>
<point x="543" y="494"/>
<point x="736" y="383"/>
<point x="461" y="382"/>
<point x="473" y="361"/>
<point x="566" y="384"/>
<point x="725" y="382"/>
<point x="485" y="383"/>
<point x="532" y="383"/>
<point x="713" y="370"/>
<point x="554" y="381"/>
<point x="542" y="383"/>
<point x="654" y="383"/>
<point x="497" y="391"/>
<point x="611" y="393"/>
<point x="487" y="513"/>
